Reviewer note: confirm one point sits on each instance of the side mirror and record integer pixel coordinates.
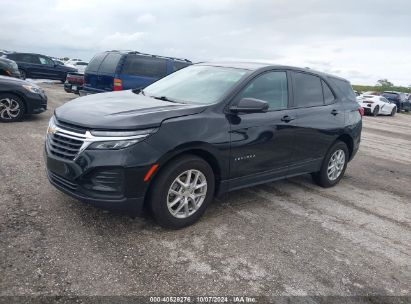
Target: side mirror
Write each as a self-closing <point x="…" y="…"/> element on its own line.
<point x="250" y="105"/>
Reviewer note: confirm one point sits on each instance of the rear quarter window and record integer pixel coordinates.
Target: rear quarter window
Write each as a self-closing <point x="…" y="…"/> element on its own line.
<point x="95" y="63"/>
<point x="145" y="66"/>
<point x="345" y="88"/>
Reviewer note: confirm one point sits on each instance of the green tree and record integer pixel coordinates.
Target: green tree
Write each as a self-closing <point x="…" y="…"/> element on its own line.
<point x="385" y="83"/>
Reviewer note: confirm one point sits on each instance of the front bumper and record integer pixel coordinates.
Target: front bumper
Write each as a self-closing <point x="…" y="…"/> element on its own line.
<point x="36" y="103"/>
<point x="99" y="178"/>
<point x="73" y="88"/>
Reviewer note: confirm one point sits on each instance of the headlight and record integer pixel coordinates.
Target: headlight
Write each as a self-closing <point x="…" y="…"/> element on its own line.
<point x="113" y="145"/>
<point x="114" y="140"/>
<point x="33" y="89"/>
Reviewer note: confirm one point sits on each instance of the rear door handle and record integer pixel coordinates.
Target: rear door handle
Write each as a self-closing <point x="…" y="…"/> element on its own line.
<point x="287" y="118"/>
<point x="334" y="112"/>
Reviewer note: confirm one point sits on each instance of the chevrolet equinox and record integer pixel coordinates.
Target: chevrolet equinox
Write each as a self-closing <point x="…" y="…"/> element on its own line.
<point x="202" y="131"/>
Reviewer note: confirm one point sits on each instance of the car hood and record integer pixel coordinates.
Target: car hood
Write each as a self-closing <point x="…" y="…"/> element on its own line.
<point x="123" y="110"/>
<point x="15" y="81"/>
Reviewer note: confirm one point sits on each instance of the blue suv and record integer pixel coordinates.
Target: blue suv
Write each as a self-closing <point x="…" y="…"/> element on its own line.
<point x="124" y="70"/>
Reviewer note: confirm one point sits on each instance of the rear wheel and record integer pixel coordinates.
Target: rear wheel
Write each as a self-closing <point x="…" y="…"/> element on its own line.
<point x="394" y="110"/>
<point x="376" y="111"/>
<point x="22" y="74"/>
<point x="333" y="166"/>
<point x="181" y="192"/>
<point x="12" y="108"/>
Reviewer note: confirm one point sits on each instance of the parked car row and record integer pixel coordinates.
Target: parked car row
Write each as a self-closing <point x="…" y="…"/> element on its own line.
<point x="385" y="103"/>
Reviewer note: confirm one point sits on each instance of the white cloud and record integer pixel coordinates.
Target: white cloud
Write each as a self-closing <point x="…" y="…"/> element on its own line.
<point x="353" y="38"/>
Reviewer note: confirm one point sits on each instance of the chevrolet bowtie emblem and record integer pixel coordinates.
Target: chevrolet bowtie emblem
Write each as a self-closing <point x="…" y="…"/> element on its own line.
<point x="51" y="130"/>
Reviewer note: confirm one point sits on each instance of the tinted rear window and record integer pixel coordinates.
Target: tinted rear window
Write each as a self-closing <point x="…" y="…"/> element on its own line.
<point x="308" y="90"/>
<point x="95" y="62"/>
<point x="145" y="66"/>
<point x="345" y="88"/>
<point x="391" y="95"/>
<point x="109" y="64"/>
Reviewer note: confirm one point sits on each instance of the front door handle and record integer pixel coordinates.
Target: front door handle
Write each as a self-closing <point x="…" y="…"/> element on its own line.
<point x="287" y="118"/>
<point x="334" y="112"/>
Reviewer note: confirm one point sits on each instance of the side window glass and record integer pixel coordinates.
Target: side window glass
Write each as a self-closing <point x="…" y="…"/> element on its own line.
<point x="145" y="66"/>
<point x="27" y="58"/>
<point x="328" y="94"/>
<point x="308" y="90"/>
<point x="44" y="60"/>
<point x="270" y="87"/>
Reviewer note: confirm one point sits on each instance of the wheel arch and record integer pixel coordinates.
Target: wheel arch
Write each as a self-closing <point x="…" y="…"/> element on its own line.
<point x="201" y="150"/>
<point x="349" y="141"/>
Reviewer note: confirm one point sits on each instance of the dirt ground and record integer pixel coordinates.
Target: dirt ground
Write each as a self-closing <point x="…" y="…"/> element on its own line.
<point x="283" y="238"/>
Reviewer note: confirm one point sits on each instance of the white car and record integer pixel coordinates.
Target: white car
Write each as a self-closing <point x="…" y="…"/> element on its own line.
<point x="375" y="105"/>
<point x="79" y="65"/>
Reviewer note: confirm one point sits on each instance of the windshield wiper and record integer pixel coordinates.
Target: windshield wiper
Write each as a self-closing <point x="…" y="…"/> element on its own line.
<point x="164" y="98"/>
<point x="138" y="91"/>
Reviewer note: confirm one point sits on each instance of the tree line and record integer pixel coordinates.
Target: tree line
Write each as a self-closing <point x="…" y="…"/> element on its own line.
<point x="381" y="86"/>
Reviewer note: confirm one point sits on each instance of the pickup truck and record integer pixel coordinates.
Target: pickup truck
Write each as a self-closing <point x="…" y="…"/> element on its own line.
<point x="74" y="83"/>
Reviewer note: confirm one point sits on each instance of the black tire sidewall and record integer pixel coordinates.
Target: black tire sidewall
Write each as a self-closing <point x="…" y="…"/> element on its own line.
<point x="394" y="110"/>
<point x="323" y="179"/>
<point x="162" y="183"/>
<point x="23" y="74"/>
<point x="21" y="104"/>
<point x="375" y="112"/>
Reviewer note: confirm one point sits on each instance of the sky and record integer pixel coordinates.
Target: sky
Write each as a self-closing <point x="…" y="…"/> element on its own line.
<point x="361" y="40"/>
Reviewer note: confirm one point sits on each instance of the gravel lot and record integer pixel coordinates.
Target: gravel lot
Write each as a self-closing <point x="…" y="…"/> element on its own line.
<point x="284" y="238"/>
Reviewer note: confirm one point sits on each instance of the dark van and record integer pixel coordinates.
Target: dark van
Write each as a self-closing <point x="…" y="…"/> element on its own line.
<point x="124" y="70"/>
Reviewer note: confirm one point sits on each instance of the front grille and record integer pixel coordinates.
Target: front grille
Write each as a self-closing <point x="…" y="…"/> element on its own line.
<point x="63" y="145"/>
<point x="62" y="182"/>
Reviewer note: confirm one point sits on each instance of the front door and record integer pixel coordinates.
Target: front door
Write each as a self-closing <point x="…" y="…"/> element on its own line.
<point x="262" y="143"/>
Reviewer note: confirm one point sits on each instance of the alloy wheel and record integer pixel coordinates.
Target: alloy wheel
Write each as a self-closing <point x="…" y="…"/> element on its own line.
<point x="336" y="165"/>
<point x="9" y="108"/>
<point x="187" y="193"/>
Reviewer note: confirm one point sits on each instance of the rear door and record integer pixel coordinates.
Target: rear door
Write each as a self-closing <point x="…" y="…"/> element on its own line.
<point x="140" y="71"/>
<point x="26" y="62"/>
<point x="319" y="121"/>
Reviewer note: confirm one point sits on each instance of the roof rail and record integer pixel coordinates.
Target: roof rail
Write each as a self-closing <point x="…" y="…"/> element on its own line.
<point x="151" y="55"/>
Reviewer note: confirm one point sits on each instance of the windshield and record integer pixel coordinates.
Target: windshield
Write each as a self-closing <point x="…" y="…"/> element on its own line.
<point x="196" y="84"/>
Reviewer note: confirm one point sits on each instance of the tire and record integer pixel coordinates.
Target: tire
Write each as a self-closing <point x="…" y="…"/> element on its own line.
<point x="376" y="111"/>
<point x="12" y="108"/>
<point x="322" y="177"/>
<point x="23" y="74"/>
<point x="394" y="110"/>
<point x="163" y="198"/>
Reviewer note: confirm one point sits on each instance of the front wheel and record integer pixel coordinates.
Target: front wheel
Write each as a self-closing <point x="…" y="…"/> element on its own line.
<point x="12" y="108"/>
<point x="394" y="110"/>
<point x="333" y="166"/>
<point x="181" y="192"/>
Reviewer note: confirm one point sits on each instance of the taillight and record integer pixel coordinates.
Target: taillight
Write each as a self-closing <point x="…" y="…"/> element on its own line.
<point x="361" y="111"/>
<point x="117" y="85"/>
